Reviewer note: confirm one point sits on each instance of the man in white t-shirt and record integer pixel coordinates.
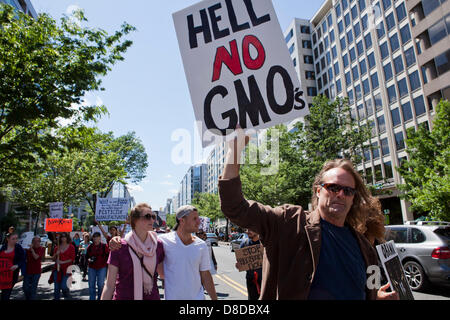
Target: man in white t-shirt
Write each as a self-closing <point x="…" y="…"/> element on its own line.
<point x="186" y="259"/>
<point x="186" y="263"/>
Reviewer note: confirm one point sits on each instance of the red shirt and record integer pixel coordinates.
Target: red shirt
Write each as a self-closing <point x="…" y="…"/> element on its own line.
<point x="6" y="275"/>
<point x="69" y="254"/>
<point x="34" y="265"/>
<point x="101" y="254"/>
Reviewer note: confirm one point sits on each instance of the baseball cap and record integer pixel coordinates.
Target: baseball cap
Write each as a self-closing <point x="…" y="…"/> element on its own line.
<point x="182" y="212"/>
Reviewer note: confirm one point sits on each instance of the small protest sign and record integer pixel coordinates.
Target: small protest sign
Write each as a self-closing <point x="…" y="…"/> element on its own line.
<point x="56" y="210"/>
<point x="58" y="225"/>
<point x="112" y="209"/>
<point x="204" y="224"/>
<point x="249" y="258"/>
<point x="238" y="67"/>
<point x="6" y="275"/>
<point x="394" y="270"/>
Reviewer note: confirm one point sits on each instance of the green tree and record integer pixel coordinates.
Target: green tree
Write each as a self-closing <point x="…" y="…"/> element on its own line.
<point x="328" y="132"/>
<point x="170" y="220"/>
<point x="426" y="173"/>
<point x="46" y="69"/>
<point x="208" y="205"/>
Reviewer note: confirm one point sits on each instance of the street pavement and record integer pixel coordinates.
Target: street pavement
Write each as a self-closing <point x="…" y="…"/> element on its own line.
<point x="229" y="283"/>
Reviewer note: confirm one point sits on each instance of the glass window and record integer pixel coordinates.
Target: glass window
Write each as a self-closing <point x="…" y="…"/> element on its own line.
<point x="375" y="150"/>
<point x="419" y="106"/>
<point x="386" y="4"/>
<point x="378" y="173"/>
<point x="384" y="50"/>
<point x="392" y="95"/>
<point x="324" y="27"/>
<point x="398" y="64"/>
<point x="355" y="73"/>
<point x="390" y="21"/>
<point x="387" y="72"/>
<point x="334" y="52"/>
<point x="330" y="74"/>
<point x="437" y="32"/>
<point x="363" y="67"/>
<point x="316" y="53"/>
<point x="319" y="33"/>
<point x="429" y="6"/>
<point x="292" y="48"/>
<point x="362" y="5"/>
<point x="344" y="5"/>
<point x="289" y="36"/>
<point x="338" y="10"/>
<point x="368" y="41"/>
<point x="361" y="111"/>
<point x="343" y="44"/>
<point x="351" y="98"/>
<point x="443" y="62"/>
<point x="328" y="57"/>
<point x="395" y="117"/>
<point x="402" y="88"/>
<point x="414" y="80"/>
<point x="410" y="57"/>
<point x="406" y="111"/>
<point x="399" y="235"/>
<point x="384" y="147"/>
<point x="349" y="37"/>
<point x="332" y="91"/>
<point x="405" y="34"/>
<point x="369" y="177"/>
<point x="295" y="62"/>
<point x="366" y="153"/>
<point x="348" y="79"/>
<point x="325" y="79"/>
<point x="360" y="48"/>
<point x="381" y="124"/>
<point x="378" y="102"/>
<point x="369" y="107"/>
<point x="326" y="42"/>
<point x="371" y="59"/>
<point x="305" y="29"/>
<point x="345" y="60"/>
<point x="310" y="75"/>
<point x="322" y="63"/>
<point x="332" y="37"/>
<point x="312" y="91"/>
<point x="401" y="12"/>
<point x="317" y="67"/>
<point x="399" y="141"/>
<point x="338" y="86"/>
<point x="364" y="22"/>
<point x="330" y="20"/>
<point x="357" y="29"/>
<point x="314" y="38"/>
<point x="340" y="27"/>
<point x="388" y="170"/>
<point x="374" y="80"/>
<point x="308" y="59"/>
<point x="394" y="42"/>
<point x="366" y="86"/>
<point x="352" y="54"/>
<point x="347" y="20"/>
<point x="306" y="44"/>
<point x="336" y="69"/>
<point x="358" y="92"/>
<point x="380" y="30"/>
<point x="417" y="236"/>
<point x="354" y="11"/>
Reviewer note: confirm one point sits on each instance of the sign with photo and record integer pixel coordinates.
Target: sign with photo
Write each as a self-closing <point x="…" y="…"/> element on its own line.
<point x="394" y="270"/>
<point x="238" y="67"/>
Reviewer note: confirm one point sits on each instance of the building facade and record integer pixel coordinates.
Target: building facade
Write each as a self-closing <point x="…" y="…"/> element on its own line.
<point x="373" y="53"/>
<point x="215" y="163"/>
<point x="22" y="5"/>
<point x="195" y="180"/>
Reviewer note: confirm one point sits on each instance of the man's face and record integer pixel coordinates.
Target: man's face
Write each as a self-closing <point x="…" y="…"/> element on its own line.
<point x="36" y="242"/>
<point x="96" y="240"/>
<point x="335" y="205"/>
<point x="251" y="234"/>
<point x="191" y="222"/>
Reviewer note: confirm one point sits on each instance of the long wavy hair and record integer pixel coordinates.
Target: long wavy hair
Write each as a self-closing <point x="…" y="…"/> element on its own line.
<point x="365" y="214"/>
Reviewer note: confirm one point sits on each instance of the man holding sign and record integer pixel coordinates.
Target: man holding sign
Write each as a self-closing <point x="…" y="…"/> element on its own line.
<point x="253" y="277"/>
<point x="237" y="66"/>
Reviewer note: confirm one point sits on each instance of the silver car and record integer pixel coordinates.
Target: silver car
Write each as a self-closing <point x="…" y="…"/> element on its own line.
<point x="212" y="237"/>
<point x="423" y="248"/>
<point x="236" y="243"/>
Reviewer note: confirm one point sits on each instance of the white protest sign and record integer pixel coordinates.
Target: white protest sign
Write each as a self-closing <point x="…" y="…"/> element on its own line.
<point x="394" y="270"/>
<point x="204" y="224"/>
<point x="112" y="209"/>
<point x="56" y="210"/>
<point x="95" y="229"/>
<point x="237" y="66"/>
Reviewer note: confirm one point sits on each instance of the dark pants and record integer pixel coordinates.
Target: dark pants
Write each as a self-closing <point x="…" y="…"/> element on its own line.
<point x="83" y="265"/>
<point x="252" y="289"/>
<point x="30" y="284"/>
<point x="61" y="286"/>
<point x="6" y="293"/>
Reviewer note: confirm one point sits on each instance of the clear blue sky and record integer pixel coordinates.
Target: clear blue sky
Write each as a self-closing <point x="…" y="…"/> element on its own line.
<point x="148" y="93"/>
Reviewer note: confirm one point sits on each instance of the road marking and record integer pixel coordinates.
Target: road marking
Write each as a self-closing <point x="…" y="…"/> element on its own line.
<point x="238" y="284"/>
<point x="232" y="285"/>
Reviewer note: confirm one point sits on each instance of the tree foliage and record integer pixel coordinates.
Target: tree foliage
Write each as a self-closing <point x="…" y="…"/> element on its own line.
<point x="328" y="132"/>
<point x="426" y="173"/>
<point x="208" y="205"/>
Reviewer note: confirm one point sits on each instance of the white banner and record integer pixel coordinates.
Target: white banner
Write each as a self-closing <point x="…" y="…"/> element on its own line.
<point x="237" y="66"/>
<point x="112" y="209"/>
<point x="56" y="210"/>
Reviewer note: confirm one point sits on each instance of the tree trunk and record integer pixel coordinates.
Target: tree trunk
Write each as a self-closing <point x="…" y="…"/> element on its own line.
<point x="37" y="220"/>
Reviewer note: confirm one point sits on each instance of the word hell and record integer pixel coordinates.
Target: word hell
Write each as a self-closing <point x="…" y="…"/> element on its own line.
<point x="205" y="27"/>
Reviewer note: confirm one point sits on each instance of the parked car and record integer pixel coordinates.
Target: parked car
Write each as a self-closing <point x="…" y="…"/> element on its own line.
<point x="423" y="249"/>
<point x="236" y="243"/>
<point x="212" y="237"/>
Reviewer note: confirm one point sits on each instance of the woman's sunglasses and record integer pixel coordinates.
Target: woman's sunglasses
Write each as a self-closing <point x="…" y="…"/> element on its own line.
<point x="149" y="216"/>
<point x="336" y="188"/>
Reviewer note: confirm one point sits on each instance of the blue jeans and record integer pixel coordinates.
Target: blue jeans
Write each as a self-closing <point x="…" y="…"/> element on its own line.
<point x="96" y="277"/>
<point x="61" y="286"/>
<point x="30" y="284"/>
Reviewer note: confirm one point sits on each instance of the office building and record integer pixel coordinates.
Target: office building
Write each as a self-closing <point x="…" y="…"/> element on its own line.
<point x="195" y="180"/>
<point x="22" y="5"/>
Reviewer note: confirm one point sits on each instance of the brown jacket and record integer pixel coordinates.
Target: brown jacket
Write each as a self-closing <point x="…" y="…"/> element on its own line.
<point x="291" y="238"/>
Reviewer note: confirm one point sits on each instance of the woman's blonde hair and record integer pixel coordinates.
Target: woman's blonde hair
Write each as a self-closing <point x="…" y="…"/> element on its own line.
<point x="365" y="215"/>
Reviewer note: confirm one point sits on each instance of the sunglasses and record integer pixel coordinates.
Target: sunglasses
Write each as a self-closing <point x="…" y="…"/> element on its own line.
<point x="149" y="216"/>
<point x="336" y="188"/>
